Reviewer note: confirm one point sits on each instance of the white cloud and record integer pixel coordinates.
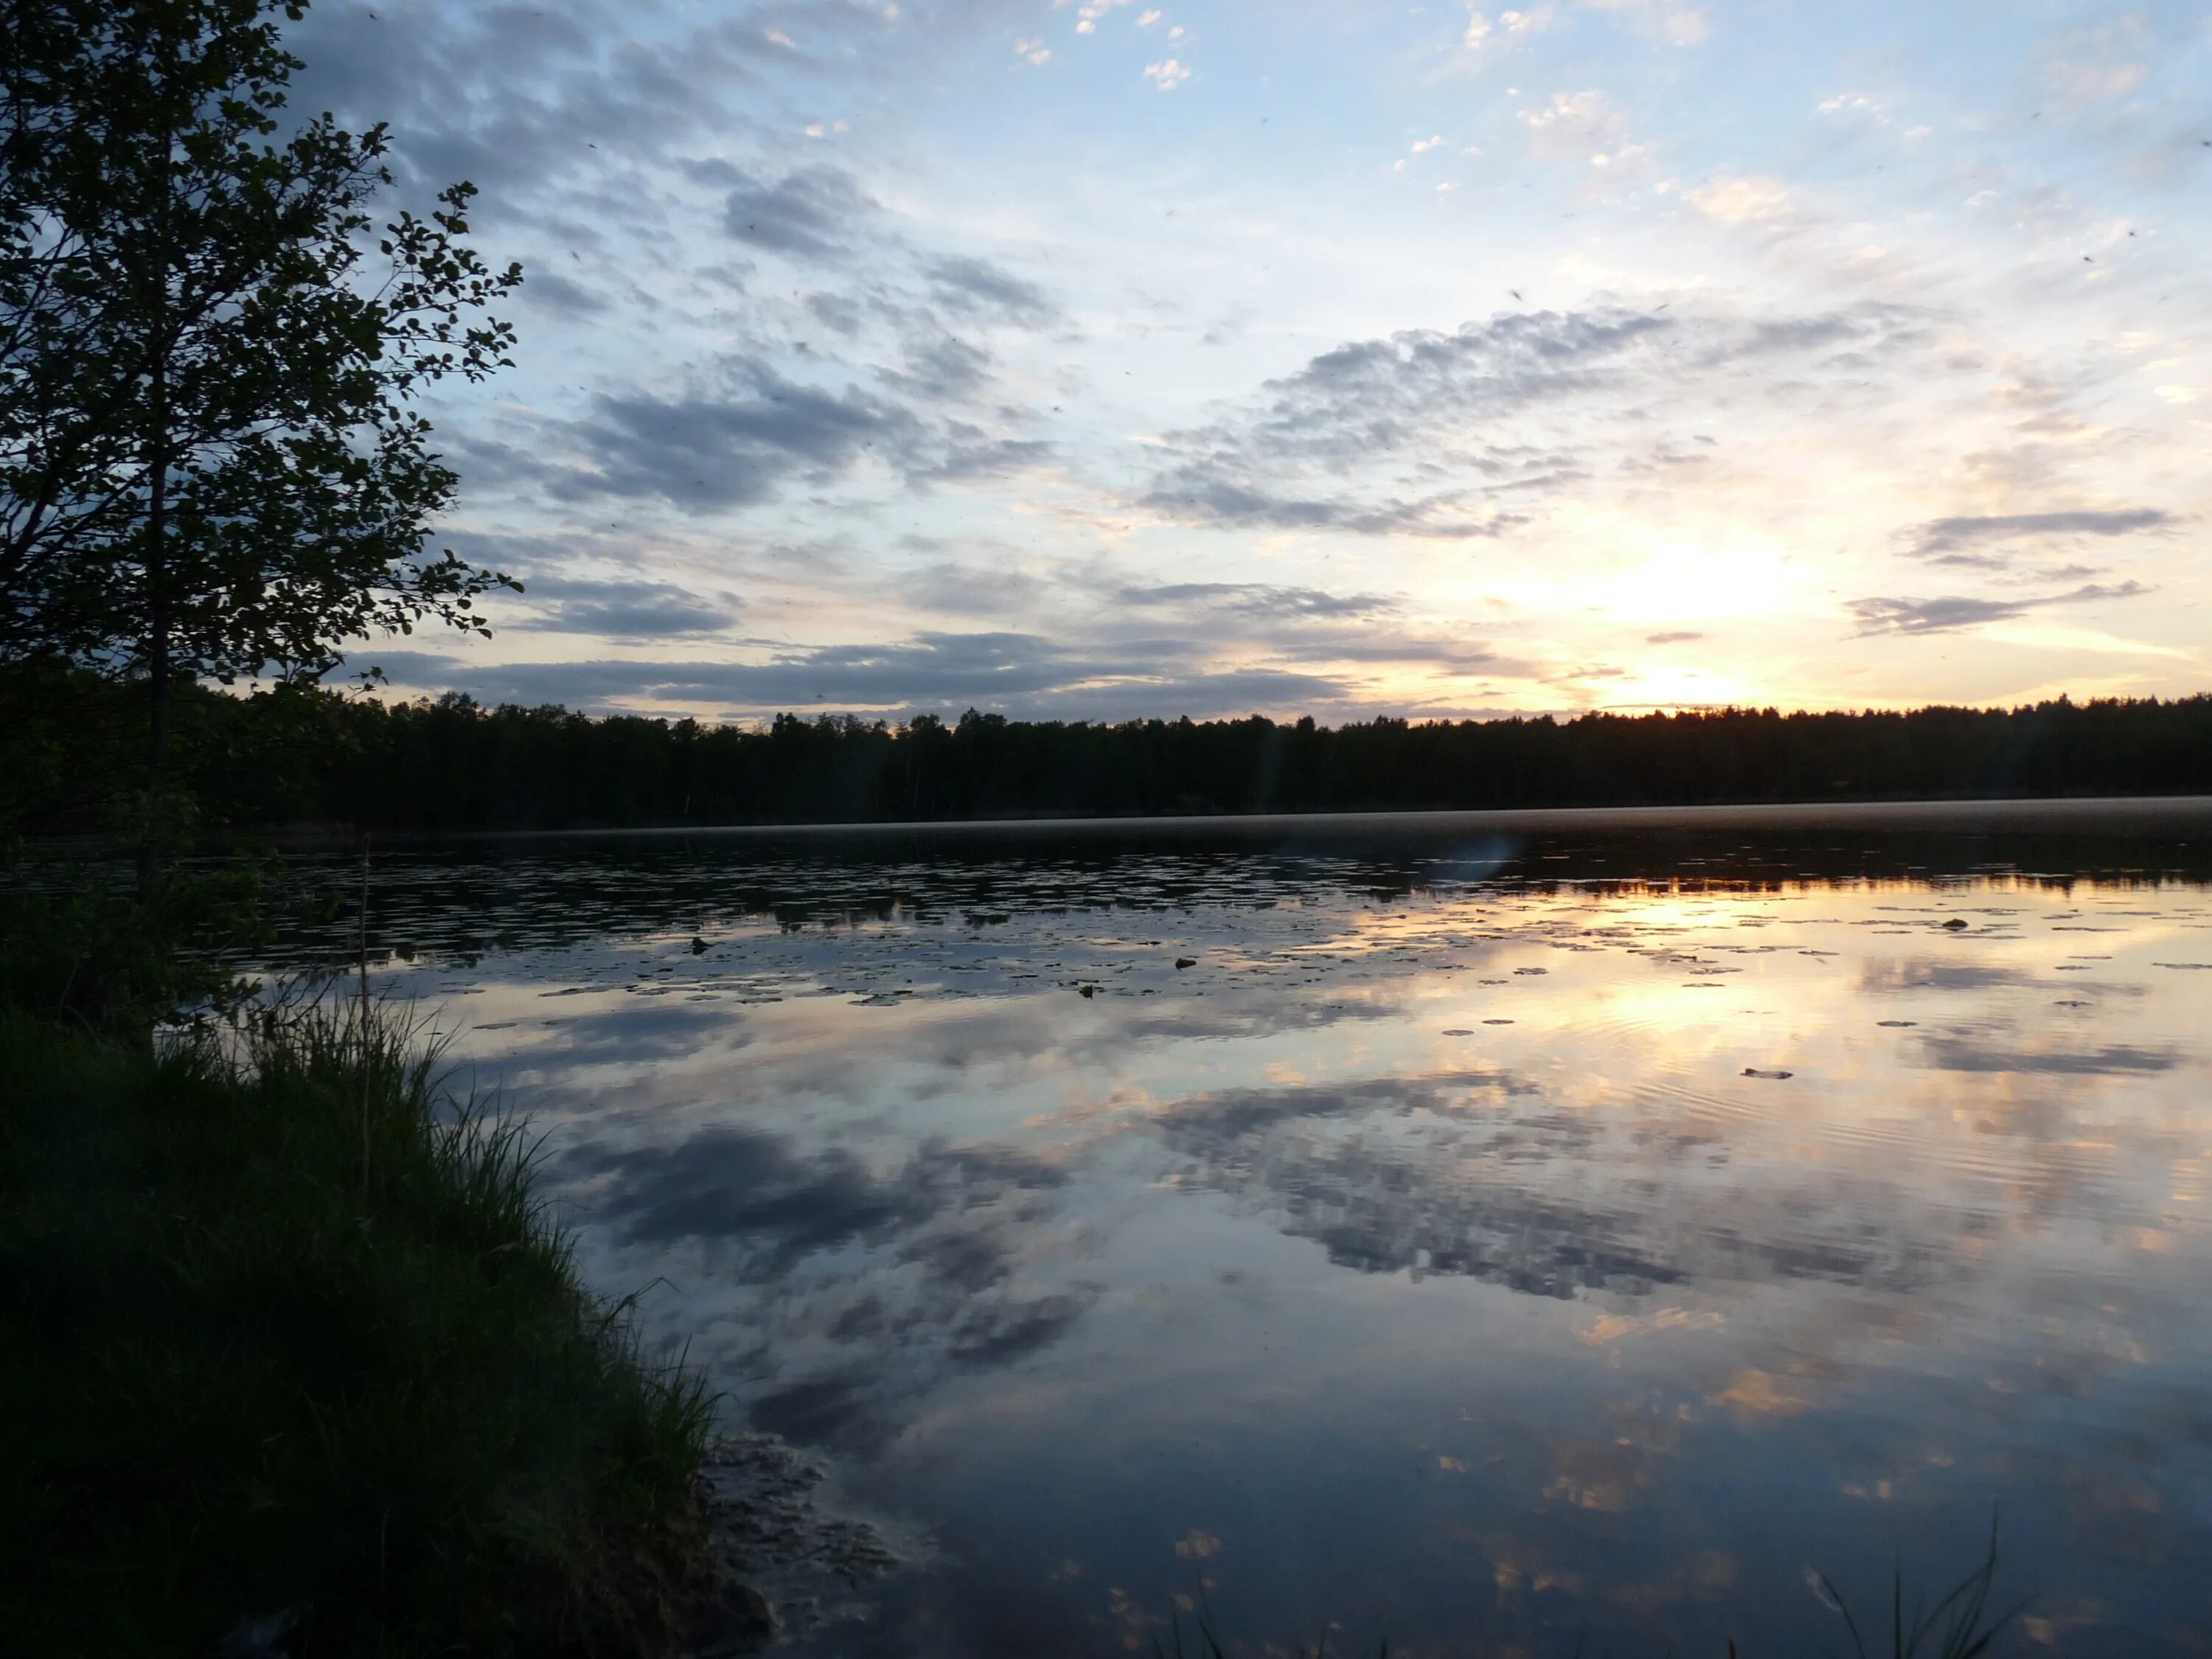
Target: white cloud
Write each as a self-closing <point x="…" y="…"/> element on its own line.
<point x="1422" y="146"/>
<point x="1034" y="51"/>
<point x="1167" y="75"/>
<point x="1510" y="26"/>
<point x="1857" y="105"/>
<point x="1090" y="11"/>
<point x="1178" y="32"/>
<point x="1575" y="124"/>
<point x="776" y="37"/>
<point x="1743" y="201"/>
<point x="1146" y="19"/>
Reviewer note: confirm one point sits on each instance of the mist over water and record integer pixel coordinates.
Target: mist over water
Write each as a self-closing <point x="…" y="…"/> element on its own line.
<point x="1493" y="1245"/>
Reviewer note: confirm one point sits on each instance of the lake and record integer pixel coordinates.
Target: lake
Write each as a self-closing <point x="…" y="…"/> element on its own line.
<point x="1495" y="1239"/>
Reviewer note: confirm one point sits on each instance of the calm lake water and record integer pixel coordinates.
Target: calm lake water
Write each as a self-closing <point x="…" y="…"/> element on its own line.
<point x="1497" y="1246"/>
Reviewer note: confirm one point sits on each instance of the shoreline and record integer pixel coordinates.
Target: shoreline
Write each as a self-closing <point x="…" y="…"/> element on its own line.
<point x="2156" y="816"/>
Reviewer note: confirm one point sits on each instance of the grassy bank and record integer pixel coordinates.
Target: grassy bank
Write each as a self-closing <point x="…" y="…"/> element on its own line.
<point x="274" y="1335"/>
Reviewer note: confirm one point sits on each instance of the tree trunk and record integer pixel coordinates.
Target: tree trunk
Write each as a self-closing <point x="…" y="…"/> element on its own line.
<point x="153" y="827"/>
<point x="157" y="661"/>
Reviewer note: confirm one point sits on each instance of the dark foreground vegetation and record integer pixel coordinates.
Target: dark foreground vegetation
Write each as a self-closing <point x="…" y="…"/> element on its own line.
<point x="280" y="1341"/>
<point x="309" y="756"/>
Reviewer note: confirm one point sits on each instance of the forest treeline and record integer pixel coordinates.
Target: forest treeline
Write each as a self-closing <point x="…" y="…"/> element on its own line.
<point x="300" y="757"/>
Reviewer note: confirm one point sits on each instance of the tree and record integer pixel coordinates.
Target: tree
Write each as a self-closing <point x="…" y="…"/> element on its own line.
<point x="211" y="464"/>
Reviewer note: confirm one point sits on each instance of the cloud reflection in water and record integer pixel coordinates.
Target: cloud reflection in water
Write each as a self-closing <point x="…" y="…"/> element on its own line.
<point x="1500" y="1332"/>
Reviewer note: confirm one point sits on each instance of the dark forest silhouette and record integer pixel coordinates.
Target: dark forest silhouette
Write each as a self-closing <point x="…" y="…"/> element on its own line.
<point x="302" y="757"/>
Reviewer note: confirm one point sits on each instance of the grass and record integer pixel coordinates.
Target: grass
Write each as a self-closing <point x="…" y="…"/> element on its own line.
<point x="1959" y="1626"/>
<point x="281" y="1330"/>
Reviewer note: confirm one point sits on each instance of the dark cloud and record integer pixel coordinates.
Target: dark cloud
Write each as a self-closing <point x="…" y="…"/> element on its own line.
<point x="1950" y="613"/>
<point x="515" y="98"/>
<point x="1197" y="494"/>
<point x="736" y="1183"/>
<point x="633" y="610"/>
<point x="966" y="589"/>
<point x="977" y="288"/>
<point x="1014" y="671"/>
<point x="1954" y="541"/>
<point x="748" y="433"/>
<point x="552" y="291"/>
<point x="1422" y="432"/>
<point x="1359" y="389"/>
<point x="1960" y="1053"/>
<point x="1676" y="638"/>
<point x="838" y="313"/>
<point x="944" y="370"/>
<point x="708" y="450"/>
<point x="1459" y="1186"/>
<point x="812" y="213"/>
<point x="971" y="455"/>
<point x="886" y="1279"/>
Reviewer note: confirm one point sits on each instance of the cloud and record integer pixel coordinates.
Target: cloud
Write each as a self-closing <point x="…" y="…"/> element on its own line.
<point x="1575" y="124"/>
<point x="1953" y="1053"/>
<point x="955" y="588"/>
<point x="746" y="433"/>
<point x="703" y="450"/>
<point x="1948" y="541"/>
<point x="812" y="212"/>
<point x="1015" y="672"/>
<point x="972" y="455"/>
<point x="838" y="313"/>
<point x="1195" y="495"/>
<point x="1750" y="200"/>
<point x="1674" y="637"/>
<point x="975" y="287"/>
<point x="1511" y="25"/>
<point x="1259" y="600"/>
<point x="1090" y="11"/>
<point x="1167" y="75"/>
<point x="549" y="290"/>
<point x="1951" y="615"/>
<point x="1429" y="434"/>
<point x="1858" y="107"/>
<point x="942" y="370"/>
<point x="1288" y="460"/>
<point x="631" y="609"/>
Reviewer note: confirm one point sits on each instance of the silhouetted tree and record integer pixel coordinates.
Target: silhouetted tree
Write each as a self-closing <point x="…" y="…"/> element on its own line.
<point x="210" y="465"/>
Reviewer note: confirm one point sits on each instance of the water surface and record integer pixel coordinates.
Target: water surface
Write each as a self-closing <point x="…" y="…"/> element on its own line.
<point x="1502" y="1247"/>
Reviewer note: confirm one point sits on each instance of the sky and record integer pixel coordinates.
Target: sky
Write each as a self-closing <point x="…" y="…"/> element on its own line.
<point x="1098" y="358"/>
